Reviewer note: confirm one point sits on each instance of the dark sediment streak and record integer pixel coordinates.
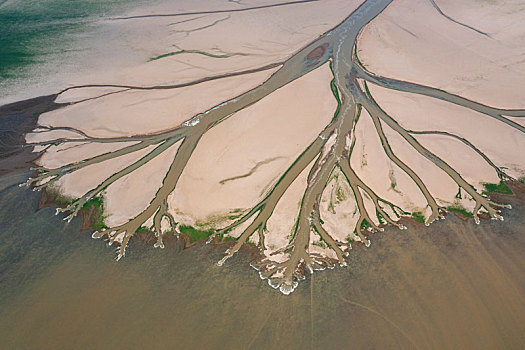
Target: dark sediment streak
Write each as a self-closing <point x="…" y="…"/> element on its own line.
<point x="438" y="9"/>
<point x="17" y="119"/>
<point x="217" y="11"/>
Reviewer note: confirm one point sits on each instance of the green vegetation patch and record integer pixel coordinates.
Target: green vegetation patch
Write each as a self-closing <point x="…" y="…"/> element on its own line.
<point x="96" y="202"/>
<point x="460" y="210"/>
<point x="142" y="229"/>
<point x="319" y="244"/>
<point x="496" y="188"/>
<point x="393" y="181"/>
<point x="335" y="92"/>
<point x="96" y="207"/>
<point x="234" y="216"/>
<point x="365" y="225"/>
<point x="418" y="216"/>
<point x="195" y="234"/>
<point x="339" y="193"/>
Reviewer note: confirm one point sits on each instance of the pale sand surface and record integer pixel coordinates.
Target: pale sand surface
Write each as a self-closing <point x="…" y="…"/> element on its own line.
<point x="339" y="216"/>
<point x="412" y="41"/>
<point x="281" y="223"/>
<point x="78" y="183"/>
<point x="451" y="285"/>
<point x="128" y="196"/>
<point x="137" y="111"/>
<point x="496" y="140"/>
<point x="129" y="112"/>
<point x="118" y="51"/>
<point x="278" y="127"/>
<point x="264" y="36"/>
<point x="237" y="161"/>
<point x="379" y="172"/>
<point x="67" y="153"/>
<point x="518" y="120"/>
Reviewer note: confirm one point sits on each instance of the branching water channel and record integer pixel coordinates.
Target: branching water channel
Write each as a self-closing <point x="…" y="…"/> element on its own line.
<point x="331" y="151"/>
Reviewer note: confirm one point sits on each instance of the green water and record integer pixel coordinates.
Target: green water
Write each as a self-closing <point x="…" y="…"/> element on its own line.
<point x="35" y="32"/>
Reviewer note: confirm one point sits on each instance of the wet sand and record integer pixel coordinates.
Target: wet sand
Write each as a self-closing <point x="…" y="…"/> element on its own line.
<point x="450" y="285"/>
<point x="16" y="119"/>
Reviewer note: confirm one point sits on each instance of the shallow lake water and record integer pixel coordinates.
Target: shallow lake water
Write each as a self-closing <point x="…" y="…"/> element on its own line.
<point x="452" y="285"/>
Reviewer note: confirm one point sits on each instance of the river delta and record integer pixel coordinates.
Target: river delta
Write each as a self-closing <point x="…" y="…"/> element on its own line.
<point x="362" y="158"/>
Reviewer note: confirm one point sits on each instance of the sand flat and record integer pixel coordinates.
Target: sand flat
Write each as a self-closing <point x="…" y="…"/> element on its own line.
<point x="411" y="41"/>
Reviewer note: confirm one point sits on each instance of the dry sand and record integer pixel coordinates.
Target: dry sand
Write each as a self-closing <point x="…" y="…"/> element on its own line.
<point x="277" y="128"/>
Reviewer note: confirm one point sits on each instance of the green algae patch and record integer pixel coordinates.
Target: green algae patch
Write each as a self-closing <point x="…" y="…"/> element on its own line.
<point x="142" y="229"/>
<point x="94" y="213"/>
<point x="335" y="92"/>
<point x="339" y="193"/>
<point x="418" y="216"/>
<point x="365" y="225"/>
<point x="497" y="188"/>
<point x="320" y="244"/>
<point x="460" y="210"/>
<point x="195" y="234"/>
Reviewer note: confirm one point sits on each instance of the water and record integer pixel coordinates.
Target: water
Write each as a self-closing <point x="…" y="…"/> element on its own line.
<point x="39" y="38"/>
<point x="453" y="284"/>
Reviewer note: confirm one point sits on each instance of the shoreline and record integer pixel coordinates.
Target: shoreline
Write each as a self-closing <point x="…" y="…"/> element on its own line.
<point x="17" y="157"/>
<point x="447" y="281"/>
<point x="18" y="119"/>
<point x="124" y="197"/>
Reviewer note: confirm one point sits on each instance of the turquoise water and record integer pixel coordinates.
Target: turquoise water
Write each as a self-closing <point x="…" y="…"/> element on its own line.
<point x="33" y="33"/>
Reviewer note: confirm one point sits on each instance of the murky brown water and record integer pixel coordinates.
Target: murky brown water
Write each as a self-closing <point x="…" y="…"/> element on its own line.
<point x="453" y="285"/>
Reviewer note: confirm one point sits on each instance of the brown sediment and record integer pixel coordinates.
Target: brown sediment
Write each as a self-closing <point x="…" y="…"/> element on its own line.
<point x="17" y="119"/>
<point x="146" y="237"/>
<point x="318" y="52"/>
<point x="48" y="199"/>
<point x="455" y="285"/>
<point x="52" y="198"/>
